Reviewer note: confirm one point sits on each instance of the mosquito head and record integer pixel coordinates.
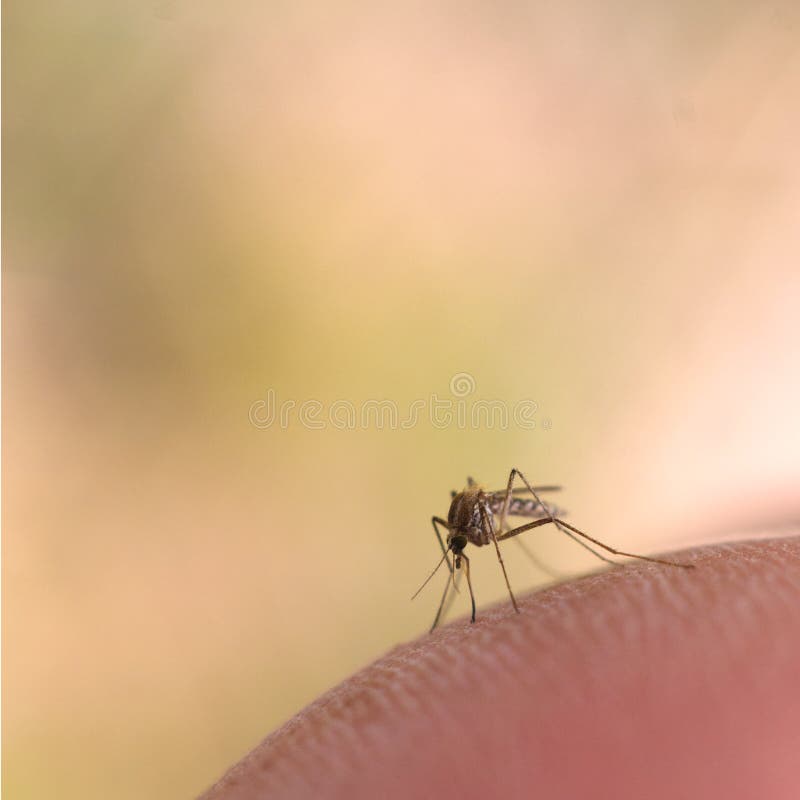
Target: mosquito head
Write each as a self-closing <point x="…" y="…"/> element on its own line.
<point x="456" y="542"/>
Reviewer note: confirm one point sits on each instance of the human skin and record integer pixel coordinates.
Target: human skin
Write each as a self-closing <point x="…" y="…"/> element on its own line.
<point x="643" y="681"/>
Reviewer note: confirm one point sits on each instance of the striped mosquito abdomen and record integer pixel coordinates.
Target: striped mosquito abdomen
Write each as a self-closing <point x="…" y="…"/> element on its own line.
<point x="523" y="507"/>
<point x="520" y="506"/>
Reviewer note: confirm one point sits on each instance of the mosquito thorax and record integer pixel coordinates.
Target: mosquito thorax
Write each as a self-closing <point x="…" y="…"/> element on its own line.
<point x="465" y="509"/>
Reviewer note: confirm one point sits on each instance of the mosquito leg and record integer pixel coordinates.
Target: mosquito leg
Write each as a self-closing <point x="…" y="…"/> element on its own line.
<point x="538" y="563"/>
<point x="507" y="500"/>
<point x="537" y="523"/>
<point x="622" y="552"/>
<point x="584" y="545"/>
<point x="510" y="490"/>
<point x="535" y="560"/>
<point x="469" y="583"/>
<point x="562" y="526"/>
<point x="554" y="520"/>
<point x="436" y="521"/>
<point x="489" y="524"/>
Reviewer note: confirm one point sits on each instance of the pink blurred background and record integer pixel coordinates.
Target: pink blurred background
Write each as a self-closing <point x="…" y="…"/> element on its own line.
<point x="592" y="208"/>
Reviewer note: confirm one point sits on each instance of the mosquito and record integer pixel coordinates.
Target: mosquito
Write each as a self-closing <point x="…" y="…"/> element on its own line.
<point x="480" y="517"/>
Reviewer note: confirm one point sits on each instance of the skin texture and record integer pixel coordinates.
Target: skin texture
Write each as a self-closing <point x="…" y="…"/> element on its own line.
<point x="639" y="682"/>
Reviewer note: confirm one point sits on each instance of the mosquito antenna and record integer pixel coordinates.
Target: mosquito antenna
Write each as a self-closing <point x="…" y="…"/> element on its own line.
<point x="436" y="569"/>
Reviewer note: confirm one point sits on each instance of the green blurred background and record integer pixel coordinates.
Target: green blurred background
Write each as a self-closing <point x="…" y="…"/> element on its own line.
<point x="594" y="208"/>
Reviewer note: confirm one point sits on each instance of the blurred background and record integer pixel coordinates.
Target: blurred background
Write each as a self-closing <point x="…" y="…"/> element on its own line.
<point x="594" y="209"/>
